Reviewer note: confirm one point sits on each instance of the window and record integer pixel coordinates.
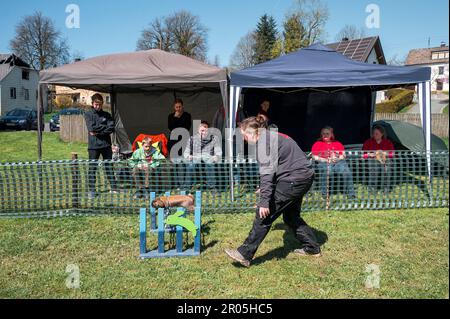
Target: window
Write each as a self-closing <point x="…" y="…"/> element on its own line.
<point x="439" y="55"/>
<point x="108" y="99"/>
<point x="26" y="93"/>
<point x="439" y="86"/>
<point x="12" y="93"/>
<point x="25" y="75"/>
<point x="441" y="70"/>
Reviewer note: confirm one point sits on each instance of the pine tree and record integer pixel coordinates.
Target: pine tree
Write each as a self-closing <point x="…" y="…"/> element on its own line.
<point x="277" y="49"/>
<point x="266" y="36"/>
<point x="294" y="33"/>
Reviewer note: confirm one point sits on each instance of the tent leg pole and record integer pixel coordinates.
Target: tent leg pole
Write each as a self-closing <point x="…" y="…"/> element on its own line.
<point x="39" y="120"/>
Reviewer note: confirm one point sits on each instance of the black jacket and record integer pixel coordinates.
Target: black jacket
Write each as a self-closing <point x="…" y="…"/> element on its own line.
<point x="183" y="121"/>
<point x="102" y="123"/>
<point x="287" y="164"/>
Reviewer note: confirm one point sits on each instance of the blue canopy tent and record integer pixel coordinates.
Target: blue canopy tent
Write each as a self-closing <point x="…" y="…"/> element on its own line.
<point x="320" y="69"/>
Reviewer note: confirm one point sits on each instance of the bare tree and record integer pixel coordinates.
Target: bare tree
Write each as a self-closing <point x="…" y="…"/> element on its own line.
<point x="350" y="32"/>
<point x="39" y="43"/>
<point x="313" y="15"/>
<point x="395" y="60"/>
<point x="156" y="36"/>
<point x="243" y="55"/>
<point x="189" y="35"/>
<point x="216" y="60"/>
<point x="180" y="32"/>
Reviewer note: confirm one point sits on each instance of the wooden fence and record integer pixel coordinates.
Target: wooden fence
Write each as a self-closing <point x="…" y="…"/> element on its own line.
<point x="439" y="122"/>
<point x="73" y="128"/>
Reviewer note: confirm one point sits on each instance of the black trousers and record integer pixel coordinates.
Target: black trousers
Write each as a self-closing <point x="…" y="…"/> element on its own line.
<point x="286" y="200"/>
<point x="106" y="154"/>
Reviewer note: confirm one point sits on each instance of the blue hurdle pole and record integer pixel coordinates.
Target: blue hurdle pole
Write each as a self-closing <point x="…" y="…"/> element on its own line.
<point x="161" y="230"/>
<point x="197" y="220"/>
<point x="179" y="244"/>
<point x="143" y="230"/>
<point x="152" y="211"/>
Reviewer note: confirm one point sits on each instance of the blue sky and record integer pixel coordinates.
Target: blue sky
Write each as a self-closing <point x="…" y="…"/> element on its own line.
<point x="114" y="26"/>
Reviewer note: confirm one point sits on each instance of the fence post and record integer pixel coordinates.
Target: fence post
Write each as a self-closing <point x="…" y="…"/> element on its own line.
<point x="75" y="181"/>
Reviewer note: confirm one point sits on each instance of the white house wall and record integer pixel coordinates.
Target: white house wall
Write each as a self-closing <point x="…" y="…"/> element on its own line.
<point x="435" y="76"/>
<point x="14" y="79"/>
<point x="372" y="58"/>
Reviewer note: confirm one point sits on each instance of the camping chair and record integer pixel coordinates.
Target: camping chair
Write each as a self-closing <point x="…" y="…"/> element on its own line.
<point x="159" y="177"/>
<point x="161" y="138"/>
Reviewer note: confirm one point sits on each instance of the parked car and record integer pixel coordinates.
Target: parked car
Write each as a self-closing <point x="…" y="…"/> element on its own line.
<point x="54" y="121"/>
<point x="20" y="119"/>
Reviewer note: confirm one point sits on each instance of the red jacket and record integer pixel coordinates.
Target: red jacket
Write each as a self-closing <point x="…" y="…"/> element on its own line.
<point x="372" y="145"/>
<point x="325" y="150"/>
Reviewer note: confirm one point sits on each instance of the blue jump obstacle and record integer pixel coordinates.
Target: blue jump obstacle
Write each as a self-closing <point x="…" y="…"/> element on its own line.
<point x="159" y="220"/>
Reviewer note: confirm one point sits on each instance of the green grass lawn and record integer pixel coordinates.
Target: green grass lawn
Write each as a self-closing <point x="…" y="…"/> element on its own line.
<point x="410" y="247"/>
<point x="48" y="116"/>
<point x="445" y="110"/>
<point x="22" y="146"/>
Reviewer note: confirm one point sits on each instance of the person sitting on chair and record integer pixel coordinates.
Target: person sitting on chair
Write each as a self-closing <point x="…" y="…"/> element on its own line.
<point x="143" y="161"/>
<point x="202" y="149"/>
<point x="330" y="157"/>
<point x="379" y="153"/>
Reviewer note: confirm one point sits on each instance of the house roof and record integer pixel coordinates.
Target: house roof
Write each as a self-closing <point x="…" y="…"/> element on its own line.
<point x="4" y="70"/>
<point x="423" y="56"/>
<point x="359" y="49"/>
<point x="13" y="59"/>
<point x="8" y="61"/>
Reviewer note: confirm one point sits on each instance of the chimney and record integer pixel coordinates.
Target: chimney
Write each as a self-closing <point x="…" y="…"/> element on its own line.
<point x="77" y="60"/>
<point x="443" y="44"/>
<point x="345" y="39"/>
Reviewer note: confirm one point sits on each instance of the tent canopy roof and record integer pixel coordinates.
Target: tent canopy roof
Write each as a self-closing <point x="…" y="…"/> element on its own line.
<point x="319" y="66"/>
<point x="151" y="69"/>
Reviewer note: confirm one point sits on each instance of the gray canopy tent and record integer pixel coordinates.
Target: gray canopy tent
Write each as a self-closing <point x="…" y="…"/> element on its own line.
<point x="142" y="85"/>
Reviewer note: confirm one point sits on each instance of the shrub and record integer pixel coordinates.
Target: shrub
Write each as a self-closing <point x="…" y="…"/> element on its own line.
<point x="400" y="98"/>
<point x="62" y="101"/>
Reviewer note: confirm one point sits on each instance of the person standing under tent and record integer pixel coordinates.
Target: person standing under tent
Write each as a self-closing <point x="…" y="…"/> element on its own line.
<point x="178" y="119"/>
<point x="286" y="176"/>
<point x="100" y="126"/>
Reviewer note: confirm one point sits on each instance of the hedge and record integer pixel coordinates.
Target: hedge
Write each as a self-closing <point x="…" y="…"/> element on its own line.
<point x="399" y="99"/>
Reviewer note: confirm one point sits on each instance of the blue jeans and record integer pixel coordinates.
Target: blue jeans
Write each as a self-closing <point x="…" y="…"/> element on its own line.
<point x="379" y="175"/>
<point x="210" y="174"/>
<point x="247" y="171"/>
<point x="340" y="168"/>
